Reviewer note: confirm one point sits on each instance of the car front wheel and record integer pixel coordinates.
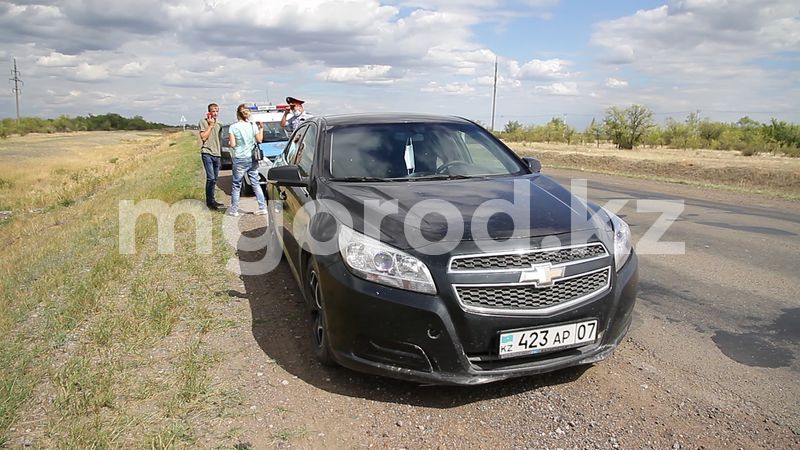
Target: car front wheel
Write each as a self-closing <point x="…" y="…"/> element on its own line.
<point x="319" y="328"/>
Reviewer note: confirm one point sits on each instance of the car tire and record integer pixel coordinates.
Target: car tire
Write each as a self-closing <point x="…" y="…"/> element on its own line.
<point x="247" y="190"/>
<point x="319" y="328"/>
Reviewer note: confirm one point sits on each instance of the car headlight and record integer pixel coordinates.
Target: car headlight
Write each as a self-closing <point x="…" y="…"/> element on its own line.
<point x="622" y="240"/>
<point x="375" y="261"/>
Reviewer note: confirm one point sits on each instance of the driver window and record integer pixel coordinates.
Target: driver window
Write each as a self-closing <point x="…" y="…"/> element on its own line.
<point x="305" y="154"/>
<point x="294" y="146"/>
<point x="482" y="156"/>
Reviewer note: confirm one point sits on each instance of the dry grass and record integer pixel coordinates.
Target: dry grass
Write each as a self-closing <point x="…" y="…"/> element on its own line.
<point x="768" y="174"/>
<point x="41" y="171"/>
<point x="99" y="349"/>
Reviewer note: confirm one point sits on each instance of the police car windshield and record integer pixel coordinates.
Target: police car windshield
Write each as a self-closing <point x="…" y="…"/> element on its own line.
<point x="273" y="132"/>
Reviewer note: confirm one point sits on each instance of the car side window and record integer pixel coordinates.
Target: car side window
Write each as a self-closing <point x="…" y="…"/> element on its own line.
<point x="293" y="146"/>
<point x="305" y="154"/>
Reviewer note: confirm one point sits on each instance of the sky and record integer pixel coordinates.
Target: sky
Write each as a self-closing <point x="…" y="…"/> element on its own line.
<point x="722" y="59"/>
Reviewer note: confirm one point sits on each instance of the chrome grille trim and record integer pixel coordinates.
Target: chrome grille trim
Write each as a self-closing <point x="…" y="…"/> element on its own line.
<point x="516" y="261"/>
<point x="535" y="310"/>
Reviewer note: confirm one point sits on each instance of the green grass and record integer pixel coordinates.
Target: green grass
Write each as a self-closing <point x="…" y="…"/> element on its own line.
<point x="83" y="387"/>
<point x="289" y="433"/>
<point x="170" y="436"/>
<point x="78" y="319"/>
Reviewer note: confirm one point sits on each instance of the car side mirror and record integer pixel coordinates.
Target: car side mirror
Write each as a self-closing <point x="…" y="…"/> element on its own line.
<point x="533" y="164"/>
<point x="286" y="176"/>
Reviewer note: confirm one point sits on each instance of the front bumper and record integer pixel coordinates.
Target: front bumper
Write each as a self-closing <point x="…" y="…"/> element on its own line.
<point x="430" y="339"/>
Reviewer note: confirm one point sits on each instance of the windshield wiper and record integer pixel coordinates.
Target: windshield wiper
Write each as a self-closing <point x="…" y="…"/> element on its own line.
<point x="440" y="177"/>
<point x="363" y="179"/>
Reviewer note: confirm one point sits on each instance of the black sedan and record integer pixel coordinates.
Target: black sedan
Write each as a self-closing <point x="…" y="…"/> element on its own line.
<point x="427" y="250"/>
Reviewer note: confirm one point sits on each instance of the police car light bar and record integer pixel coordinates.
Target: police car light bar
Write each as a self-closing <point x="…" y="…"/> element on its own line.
<point x="256" y="107"/>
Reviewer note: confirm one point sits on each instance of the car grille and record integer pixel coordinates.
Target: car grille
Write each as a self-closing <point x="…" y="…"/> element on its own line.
<point x="519" y="261"/>
<point x="530" y="297"/>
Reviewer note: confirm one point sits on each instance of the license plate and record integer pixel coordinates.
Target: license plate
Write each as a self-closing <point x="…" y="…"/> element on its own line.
<point x="545" y="339"/>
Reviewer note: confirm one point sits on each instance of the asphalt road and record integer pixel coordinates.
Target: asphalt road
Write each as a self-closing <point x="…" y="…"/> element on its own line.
<point x="734" y="291"/>
<point x="737" y="281"/>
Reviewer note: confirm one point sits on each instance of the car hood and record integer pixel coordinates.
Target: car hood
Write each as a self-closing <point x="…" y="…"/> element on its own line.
<point x="487" y="208"/>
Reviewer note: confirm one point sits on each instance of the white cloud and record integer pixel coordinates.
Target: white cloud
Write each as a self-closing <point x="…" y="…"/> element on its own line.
<point x="502" y="81"/>
<point x="175" y="57"/>
<point x="537" y="69"/>
<point x="87" y="72"/>
<point x="372" y="74"/>
<point x="463" y="59"/>
<point x="713" y="52"/>
<point x="616" y="83"/>
<point x="132" y="69"/>
<point x="56" y="59"/>
<point x="683" y="34"/>
<point x="448" y="88"/>
<point x="566" y="88"/>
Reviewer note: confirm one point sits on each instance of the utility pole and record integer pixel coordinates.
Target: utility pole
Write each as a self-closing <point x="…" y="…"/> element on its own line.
<point x="494" y="92"/>
<point x="17" y="82"/>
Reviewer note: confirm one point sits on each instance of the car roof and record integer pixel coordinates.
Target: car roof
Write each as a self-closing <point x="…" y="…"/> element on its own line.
<point x="385" y="118"/>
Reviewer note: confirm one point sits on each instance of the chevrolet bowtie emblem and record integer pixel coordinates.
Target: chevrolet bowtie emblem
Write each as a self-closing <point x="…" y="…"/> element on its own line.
<point x="541" y="274"/>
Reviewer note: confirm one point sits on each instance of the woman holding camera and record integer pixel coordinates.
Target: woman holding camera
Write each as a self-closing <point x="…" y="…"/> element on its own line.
<point x="243" y="138"/>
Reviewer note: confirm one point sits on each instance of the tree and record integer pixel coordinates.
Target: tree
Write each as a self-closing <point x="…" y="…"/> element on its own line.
<point x="616" y="125"/>
<point x="569" y="132"/>
<point x="554" y="130"/>
<point x="640" y="119"/>
<point x="710" y="131"/>
<point x="627" y="126"/>
<point x="654" y="137"/>
<point x="693" y="123"/>
<point x="595" y="130"/>
<point x="512" y="127"/>
<point x="746" y="123"/>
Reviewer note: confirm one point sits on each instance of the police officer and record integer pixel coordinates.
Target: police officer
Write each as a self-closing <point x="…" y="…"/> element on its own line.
<point x="298" y="114"/>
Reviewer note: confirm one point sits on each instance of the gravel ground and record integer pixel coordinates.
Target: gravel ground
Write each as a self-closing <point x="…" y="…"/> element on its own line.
<point x="648" y="394"/>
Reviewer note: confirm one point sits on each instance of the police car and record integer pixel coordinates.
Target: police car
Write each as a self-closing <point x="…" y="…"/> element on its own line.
<point x="275" y="138"/>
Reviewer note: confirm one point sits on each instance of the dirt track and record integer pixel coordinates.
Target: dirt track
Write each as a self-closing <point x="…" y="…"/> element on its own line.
<point x="667" y="386"/>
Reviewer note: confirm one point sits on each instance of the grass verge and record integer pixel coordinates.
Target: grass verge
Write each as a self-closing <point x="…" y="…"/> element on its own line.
<point x="99" y="349"/>
<point x="697" y="171"/>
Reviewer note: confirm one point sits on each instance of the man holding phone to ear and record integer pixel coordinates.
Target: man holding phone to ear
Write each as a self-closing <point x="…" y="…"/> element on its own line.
<point x="211" y="152"/>
<point x="297" y="117"/>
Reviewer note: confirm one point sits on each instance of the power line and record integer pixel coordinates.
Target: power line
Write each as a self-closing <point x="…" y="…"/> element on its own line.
<point x="17" y="82"/>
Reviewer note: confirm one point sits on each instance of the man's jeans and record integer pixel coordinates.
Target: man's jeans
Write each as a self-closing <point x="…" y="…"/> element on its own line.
<point x="249" y="167"/>
<point x="211" y="164"/>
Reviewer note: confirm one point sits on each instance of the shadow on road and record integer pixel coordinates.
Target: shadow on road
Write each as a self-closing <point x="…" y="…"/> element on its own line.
<point x="224" y="181"/>
<point x="282" y="328"/>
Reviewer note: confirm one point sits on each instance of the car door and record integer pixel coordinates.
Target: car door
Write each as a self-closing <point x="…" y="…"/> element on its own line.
<point x="295" y="218"/>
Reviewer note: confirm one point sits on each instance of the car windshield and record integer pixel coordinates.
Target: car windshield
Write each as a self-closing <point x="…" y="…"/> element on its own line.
<point x="272" y="133"/>
<point x="416" y="151"/>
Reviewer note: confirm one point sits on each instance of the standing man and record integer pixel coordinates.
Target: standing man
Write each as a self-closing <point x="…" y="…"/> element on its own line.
<point x="210" y="151"/>
<point x="299" y="114"/>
